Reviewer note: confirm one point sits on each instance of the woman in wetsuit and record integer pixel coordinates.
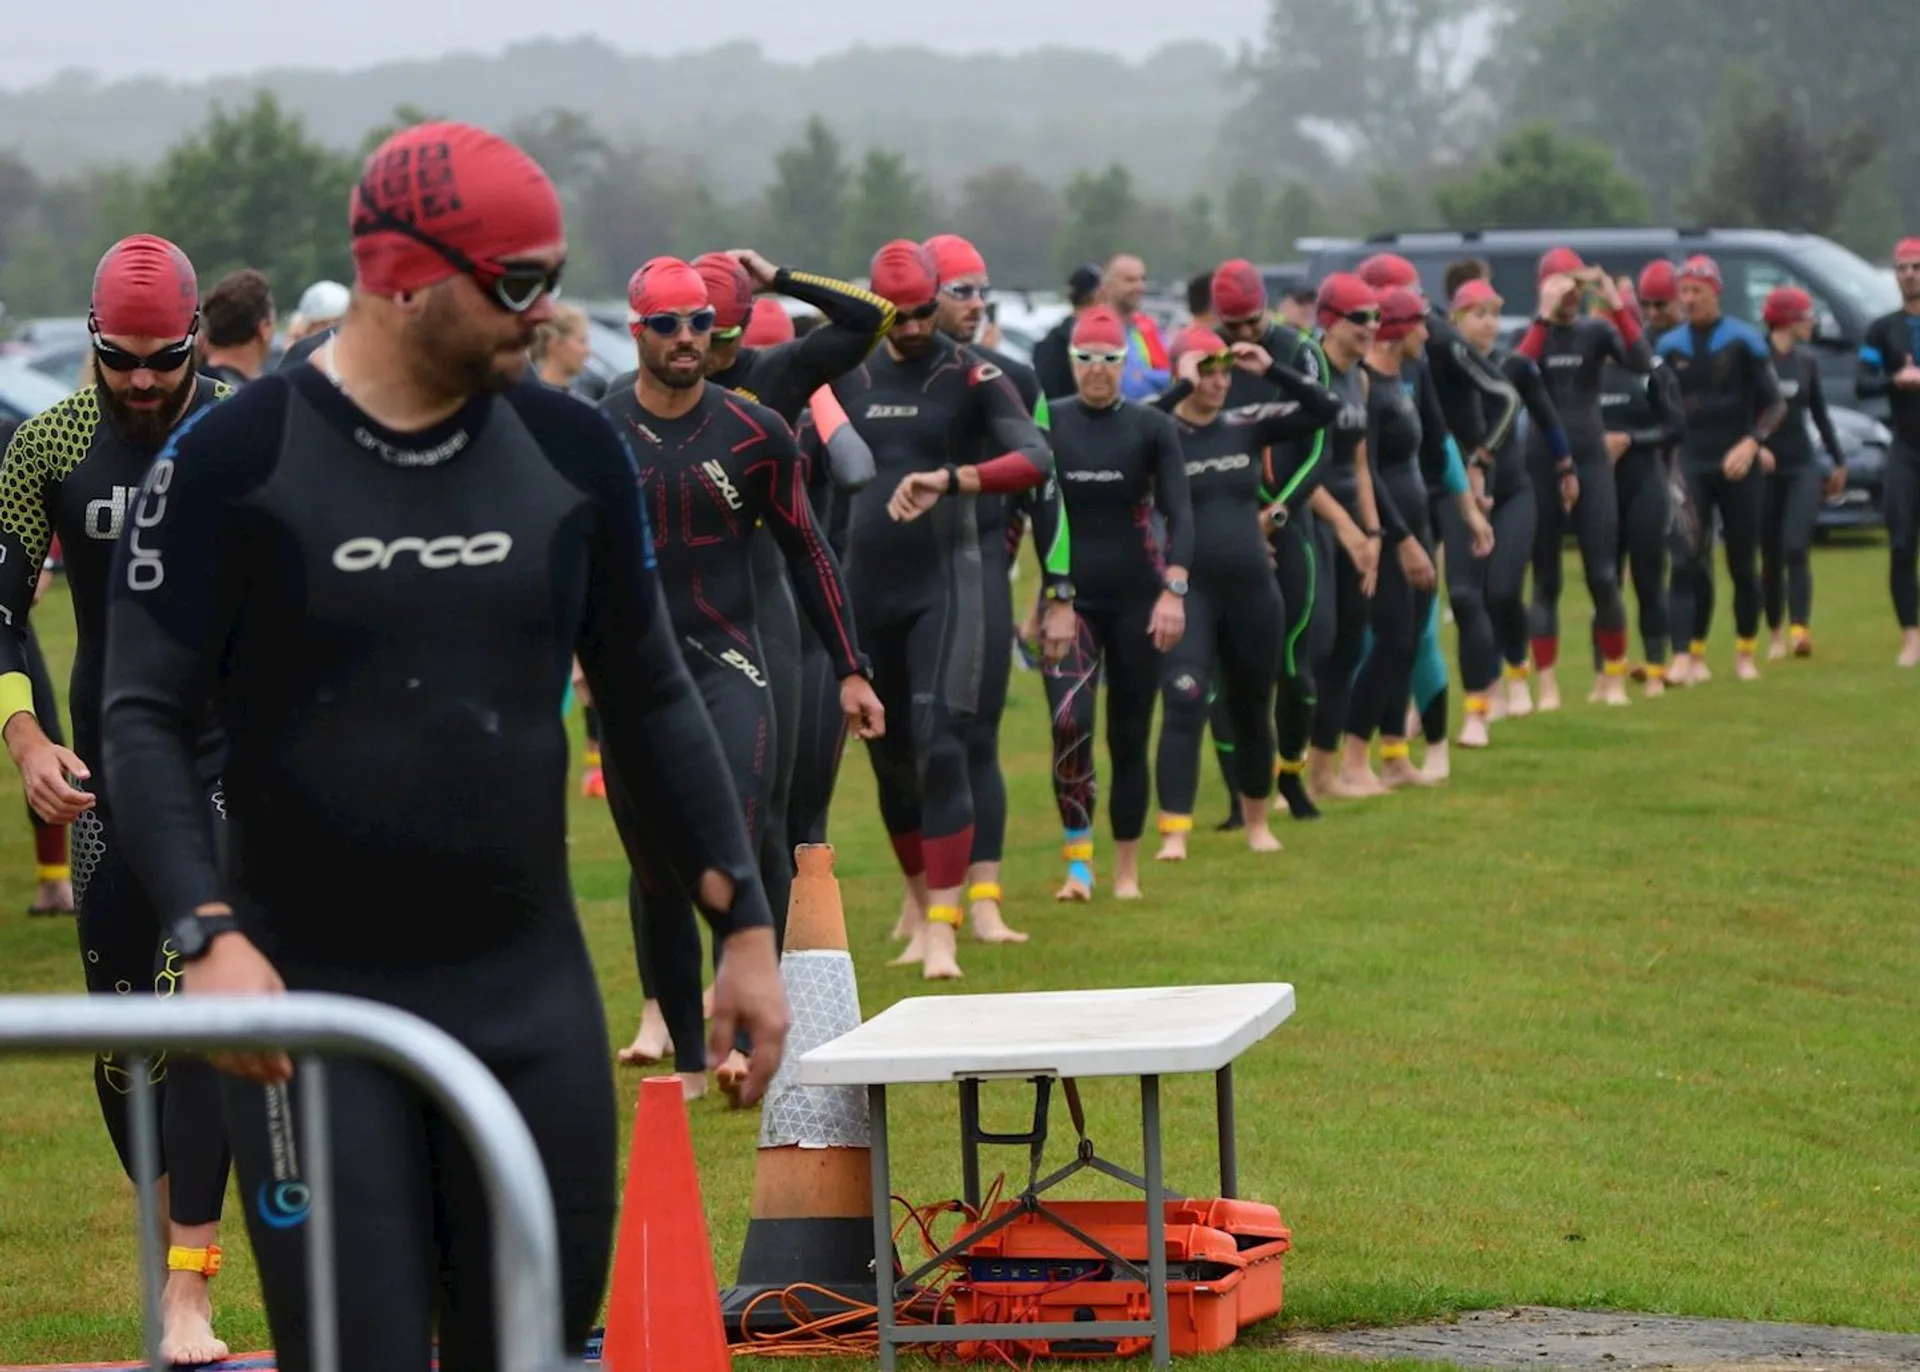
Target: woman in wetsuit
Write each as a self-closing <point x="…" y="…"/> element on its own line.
<point x="1234" y="614"/>
<point x="1795" y="484"/>
<point x="1403" y="596"/>
<point x="1117" y="463"/>
<point x="1488" y="594"/>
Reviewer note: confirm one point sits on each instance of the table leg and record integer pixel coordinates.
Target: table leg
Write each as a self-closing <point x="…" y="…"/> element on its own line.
<point x="970" y="1142"/>
<point x="1229" y="1147"/>
<point x="1155" y="1169"/>
<point x="882" y="1225"/>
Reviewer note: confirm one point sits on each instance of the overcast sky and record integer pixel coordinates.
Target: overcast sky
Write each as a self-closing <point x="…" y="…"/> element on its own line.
<point x="202" y="38"/>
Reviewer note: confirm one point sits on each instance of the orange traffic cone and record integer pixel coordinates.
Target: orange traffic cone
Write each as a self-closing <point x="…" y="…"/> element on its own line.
<point x="812" y="1217"/>
<point x="664" y="1313"/>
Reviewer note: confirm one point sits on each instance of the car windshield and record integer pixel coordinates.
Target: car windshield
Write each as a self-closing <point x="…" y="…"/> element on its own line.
<point x="27" y="392"/>
<point x="1868" y="288"/>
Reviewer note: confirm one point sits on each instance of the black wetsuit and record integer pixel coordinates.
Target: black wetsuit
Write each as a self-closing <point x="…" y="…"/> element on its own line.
<point x="1298" y="474"/>
<point x="1795" y="489"/>
<point x="711" y="478"/>
<point x="782" y="378"/>
<point x="69" y="473"/>
<point x="1340" y="620"/>
<point x="386" y="621"/>
<point x="1235" y="618"/>
<point x="1647" y="409"/>
<point x="1572" y="357"/>
<point x="1116" y="467"/>
<point x="1397" y="433"/>
<point x="1729" y="391"/>
<point x="1488" y="594"/>
<point x="917" y="586"/>
<point x="1892" y="342"/>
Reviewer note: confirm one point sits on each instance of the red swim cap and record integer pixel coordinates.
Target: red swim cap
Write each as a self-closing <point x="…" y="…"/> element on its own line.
<point x="954" y="257"/>
<point x="904" y="274"/>
<point x="1473" y="293"/>
<point x="1907" y="250"/>
<point x="1341" y="294"/>
<point x="729" y="289"/>
<point x="1194" y="339"/>
<point x="1384" y="271"/>
<point x="471" y="190"/>
<point x="1658" y="284"/>
<point x="1099" y="327"/>
<point x="145" y="287"/>
<point x="769" y="325"/>
<point x="1700" y="267"/>
<point x="1239" y="291"/>
<point x="1786" y="305"/>
<point x="664" y="285"/>
<point x="1560" y="262"/>
<point x="1401" y="312"/>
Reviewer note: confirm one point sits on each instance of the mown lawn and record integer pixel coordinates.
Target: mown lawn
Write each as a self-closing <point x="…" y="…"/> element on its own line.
<point x="1623" y="1017"/>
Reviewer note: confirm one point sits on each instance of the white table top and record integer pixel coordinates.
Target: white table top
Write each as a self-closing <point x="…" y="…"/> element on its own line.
<point x="1144" y="1031"/>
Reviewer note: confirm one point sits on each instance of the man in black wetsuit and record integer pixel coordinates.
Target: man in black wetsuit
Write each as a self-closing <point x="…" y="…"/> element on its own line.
<point x="1890" y="370"/>
<point x="715" y="467"/>
<point x="804" y="687"/>
<point x="929" y="409"/>
<point x="1733" y="405"/>
<point x="460" y="533"/>
<point x="73" y="471"/>
<point x="238" y="329"/>
<point x="964" y="288"/>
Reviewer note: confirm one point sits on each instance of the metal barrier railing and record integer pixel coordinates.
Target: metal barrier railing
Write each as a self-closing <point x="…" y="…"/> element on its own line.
<point x="525" y="1241"/>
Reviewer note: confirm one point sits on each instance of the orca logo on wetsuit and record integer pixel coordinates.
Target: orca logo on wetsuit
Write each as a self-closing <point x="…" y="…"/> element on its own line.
<point x="454" y="550"/>
<point x="144" y="572"/>
<point x="1232" y="462"/>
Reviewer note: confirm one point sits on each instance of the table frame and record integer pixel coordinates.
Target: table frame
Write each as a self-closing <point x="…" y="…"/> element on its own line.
<point x="972" y="1138"/>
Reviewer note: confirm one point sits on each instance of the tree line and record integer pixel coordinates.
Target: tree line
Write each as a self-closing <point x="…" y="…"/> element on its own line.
<point x="1611" y="112"/>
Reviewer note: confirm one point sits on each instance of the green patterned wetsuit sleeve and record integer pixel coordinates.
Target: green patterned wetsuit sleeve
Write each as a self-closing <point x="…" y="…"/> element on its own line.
<point x="33" y="459"/>
<point x="1052" y="542"/>
<point x="1313" y="362"/>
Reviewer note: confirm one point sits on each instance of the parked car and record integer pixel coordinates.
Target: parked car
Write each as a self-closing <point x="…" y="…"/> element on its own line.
<point x="24" y="392"/>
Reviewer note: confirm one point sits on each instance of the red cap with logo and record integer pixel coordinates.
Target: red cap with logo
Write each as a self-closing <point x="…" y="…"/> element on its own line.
<point x="1560" y="262"/>
<point x="469" y="190"/>
<point x="1239" y="291"/>
<point x="769" y="326"/>
<point x="904" y="274"/>
<point x="729" y="289"/>
<point x="144" y="287"/>
<point x="664" y="285"/>
<point x="954" y="257"/>
<point x="1472" y="294"/>
<point x="1786" y="305"/>
<point x="1195" y="339"/>
<point x="1700" y="267"/>
<point x="1340" y="295"/>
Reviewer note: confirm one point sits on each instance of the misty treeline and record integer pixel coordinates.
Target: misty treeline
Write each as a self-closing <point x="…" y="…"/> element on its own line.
<point x="1351" y="116"/>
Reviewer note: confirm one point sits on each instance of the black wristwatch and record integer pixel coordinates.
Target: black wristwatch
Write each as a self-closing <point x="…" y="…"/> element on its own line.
<point x="953" y="478"/>
<point x="1177" y="586"/>
<point x="1060" y="591"/>
<point x="193" y="935"/>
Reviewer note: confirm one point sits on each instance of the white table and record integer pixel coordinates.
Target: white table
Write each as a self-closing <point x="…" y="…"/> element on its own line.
<point x="1042" y="1037"/>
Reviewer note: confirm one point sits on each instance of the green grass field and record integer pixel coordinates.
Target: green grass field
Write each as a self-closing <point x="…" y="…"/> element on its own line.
<point x="1622" y="1017"/>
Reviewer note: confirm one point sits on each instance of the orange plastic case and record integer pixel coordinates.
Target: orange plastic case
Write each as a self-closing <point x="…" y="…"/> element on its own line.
<point x="1224" y="1272"/>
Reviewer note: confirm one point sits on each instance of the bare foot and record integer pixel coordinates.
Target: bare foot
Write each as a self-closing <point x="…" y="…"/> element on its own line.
<point x="916" y="949"/>
<point x="1260" y="839"/>
<point x="186" y="1322"/>
<point x="1656" y="687"/>
<point x="1549" y="698"/>
<point x="1680" y="670"/>
<point x="1519" y="699"/>
<point x="732" y="1075"/>
<point x="52" y="898"/>
<point x="1473" y="731"/>
<point x="693" y="1085"/>
<point x="1701" y="673"/>
<point x="1777" y="648"/>
<point x="1073" y="890"/>
<point x="909" y="914"/>
<point x="1909" y="648"/>
<point x="651" y="1043"/>
<point x="1496" y="706"/>
<point x="1173" y="848"/>
<point x="1609" y="690"/>
<point x="1436" y="766"/>
<point x="1802" y="643"/>
<point x="1401" y="772"/>
<point x="1744" y="667"/>
<point x="1355" y="783"/>
<point x="1126" y="887"/>
<point x="943" y="957"/>
<point x="990" y="926"/>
